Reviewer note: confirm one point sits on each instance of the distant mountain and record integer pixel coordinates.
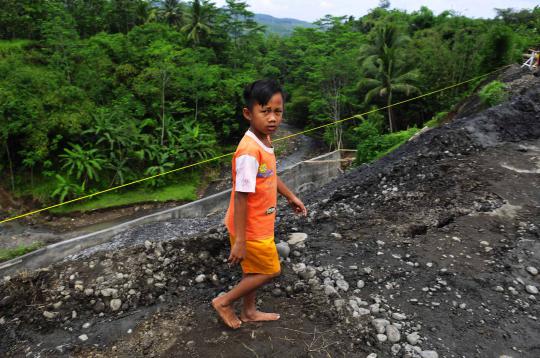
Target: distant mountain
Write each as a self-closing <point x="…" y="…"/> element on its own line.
<point x="280" y="26"/>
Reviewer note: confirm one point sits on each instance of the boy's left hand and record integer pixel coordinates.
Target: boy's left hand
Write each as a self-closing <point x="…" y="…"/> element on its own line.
<point x="298" y="206"/>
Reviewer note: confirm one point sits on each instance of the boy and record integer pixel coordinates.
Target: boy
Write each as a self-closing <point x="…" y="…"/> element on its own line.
<point x="252" y="208"/>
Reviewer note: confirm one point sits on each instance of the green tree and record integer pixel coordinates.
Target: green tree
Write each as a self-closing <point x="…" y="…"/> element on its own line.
<point x="385" y="74"/>
<point x="240" y="25"/>
<point x="498" y="49"/>
<point x="60" y="37"/>
<point x="199" y="21"/>
<point x="171" y="12"/>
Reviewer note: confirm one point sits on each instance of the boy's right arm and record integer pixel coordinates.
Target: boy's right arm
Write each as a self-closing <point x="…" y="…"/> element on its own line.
<point x="238" y="251"/>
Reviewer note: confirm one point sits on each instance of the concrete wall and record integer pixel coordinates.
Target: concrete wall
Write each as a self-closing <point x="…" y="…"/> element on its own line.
<point x="306" y="175"/>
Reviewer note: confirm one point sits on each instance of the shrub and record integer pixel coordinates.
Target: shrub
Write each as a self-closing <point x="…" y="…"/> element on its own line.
<point x="377" y="146"/>
<point x="493" y="93"/>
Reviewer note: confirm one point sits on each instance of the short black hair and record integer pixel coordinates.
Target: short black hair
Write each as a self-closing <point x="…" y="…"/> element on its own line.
<point x="261" y="91"/>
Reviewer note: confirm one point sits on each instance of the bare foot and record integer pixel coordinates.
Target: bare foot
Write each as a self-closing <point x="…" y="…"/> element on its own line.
<point x="258" y="316"/>
<point x="227" y="314"/>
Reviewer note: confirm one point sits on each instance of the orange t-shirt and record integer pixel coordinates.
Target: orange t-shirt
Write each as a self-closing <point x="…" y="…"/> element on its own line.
<point x="254" y="172"/>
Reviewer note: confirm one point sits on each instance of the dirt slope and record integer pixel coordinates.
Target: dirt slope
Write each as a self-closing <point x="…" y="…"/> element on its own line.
<point x="432" y="251"/>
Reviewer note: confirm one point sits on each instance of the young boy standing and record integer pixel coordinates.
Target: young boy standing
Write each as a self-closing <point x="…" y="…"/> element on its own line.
<point x="252" y="208"/>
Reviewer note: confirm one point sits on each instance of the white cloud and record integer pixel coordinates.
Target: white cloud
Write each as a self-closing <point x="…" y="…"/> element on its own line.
<point x="310" y="10"/>
<point x="326" y="5"/>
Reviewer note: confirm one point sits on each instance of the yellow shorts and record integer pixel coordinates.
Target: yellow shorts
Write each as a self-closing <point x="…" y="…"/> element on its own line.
<point x="261" y="256"/>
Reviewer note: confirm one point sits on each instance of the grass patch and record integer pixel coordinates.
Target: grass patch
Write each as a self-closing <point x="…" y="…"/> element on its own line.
<point x="493" y="93"/>
<point x="11" y="253"/>
<point x="185" y="189"/>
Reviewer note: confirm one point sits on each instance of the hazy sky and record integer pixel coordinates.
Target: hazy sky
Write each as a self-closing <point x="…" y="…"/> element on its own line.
<point x="311" y="10"/>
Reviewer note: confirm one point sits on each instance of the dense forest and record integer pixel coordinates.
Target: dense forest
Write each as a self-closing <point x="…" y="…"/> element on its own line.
<point x="97" y="93"/>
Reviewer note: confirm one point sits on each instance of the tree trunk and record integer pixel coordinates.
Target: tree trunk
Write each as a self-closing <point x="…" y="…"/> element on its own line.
<point x="163" y="81"/>
<point x="390" y="117"/>
<point x="10" y="168"/>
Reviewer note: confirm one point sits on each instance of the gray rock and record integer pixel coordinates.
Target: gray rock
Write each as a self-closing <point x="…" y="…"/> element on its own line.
<point x="200" y="278"/>
<point x="374" y="308"/>
<point x="276" y="292"/>
<point x="115" y="304"/>
<point x="86" y="325"/>
<point x="329" y="290"/>
<point x="531" y="289"/>
<point x="499" y="288"/>
<point x="363" y="311"/>
<point x="399" y="316"/>
<point x="339" y="303"/>
<point x="393" y="333"/>
<point x="50" y="315"/>
<point x="532" y="270"/>
<point x="372" y="355"/>
<point x="296" y="238"/>
<point x="429" y="354"/>
<point x="99" y="307"/>
<point x="382" y="337"/>
<point x="395" y="349"/>
<point x="57" y="305"/>
<point x="299" y="267"/>
<point x="413" y="338"/>
<point x="342" y="285"/>
<point x="360" y="284"/>
<point x="283" y="249"/>
<point x="380" y="324"/>
<point x="83" y="337"/>
<point x="2" y="320"/>
<point x="108" y="292"/>
<point x="148" y="245"/>
<point x="88" y="292"/>
<point x="308" y="273"/>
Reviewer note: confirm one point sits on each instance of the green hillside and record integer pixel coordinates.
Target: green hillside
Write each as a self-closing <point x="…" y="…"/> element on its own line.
<point x="280" y="26"/>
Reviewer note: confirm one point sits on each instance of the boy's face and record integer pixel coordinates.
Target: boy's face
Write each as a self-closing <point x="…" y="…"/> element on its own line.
<point x="265" y="120"/>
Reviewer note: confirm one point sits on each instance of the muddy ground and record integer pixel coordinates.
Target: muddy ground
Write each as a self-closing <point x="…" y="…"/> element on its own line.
<point x="433" y="251"/>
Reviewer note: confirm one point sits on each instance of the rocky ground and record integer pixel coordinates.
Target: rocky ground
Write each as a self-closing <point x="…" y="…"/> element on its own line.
<point x="433" y="251"/>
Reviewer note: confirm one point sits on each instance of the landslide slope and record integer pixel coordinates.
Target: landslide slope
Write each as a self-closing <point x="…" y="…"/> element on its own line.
<point x="431" y="251"/>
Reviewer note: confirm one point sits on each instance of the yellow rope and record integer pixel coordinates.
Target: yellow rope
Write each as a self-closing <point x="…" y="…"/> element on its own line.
<point x="276" y="140"/>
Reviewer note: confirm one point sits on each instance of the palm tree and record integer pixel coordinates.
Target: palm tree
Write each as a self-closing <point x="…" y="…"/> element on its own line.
<point x="199" y="21"/>
<point x="171" y="13"/>
<point x="385" y="73"/>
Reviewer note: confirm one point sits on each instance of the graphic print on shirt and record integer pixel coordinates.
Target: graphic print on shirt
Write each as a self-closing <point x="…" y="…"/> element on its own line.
<point x="264" y="172"/>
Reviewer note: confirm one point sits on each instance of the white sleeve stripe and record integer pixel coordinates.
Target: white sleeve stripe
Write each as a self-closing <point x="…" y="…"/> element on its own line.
<point x="246" y="173"/>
